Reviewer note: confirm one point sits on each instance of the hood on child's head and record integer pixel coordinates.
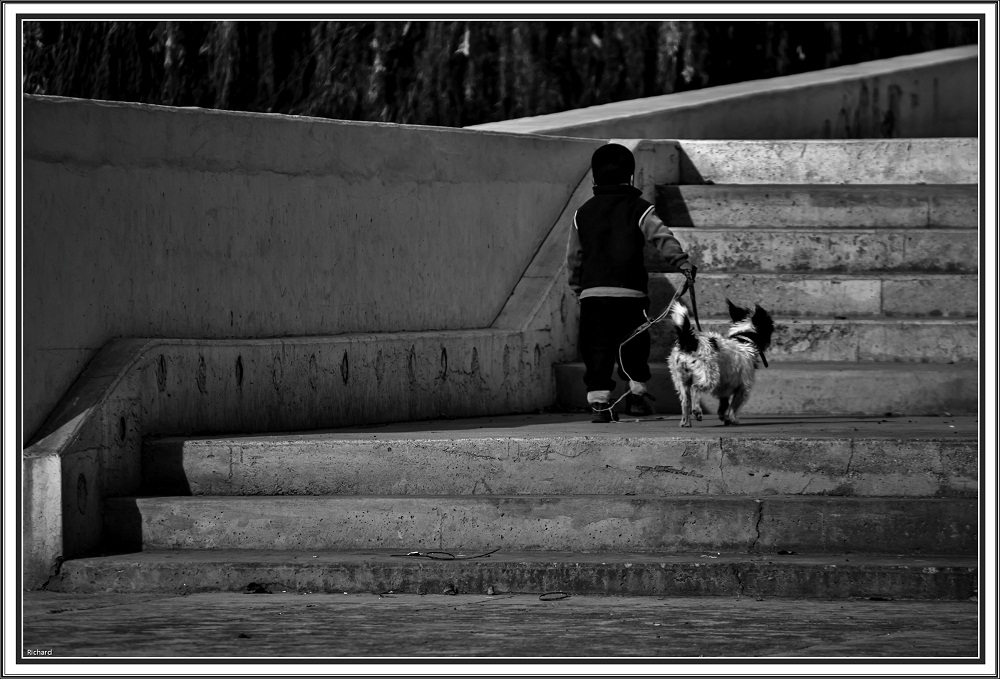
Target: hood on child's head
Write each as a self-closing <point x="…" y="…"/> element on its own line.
<point x="612" y="164"/>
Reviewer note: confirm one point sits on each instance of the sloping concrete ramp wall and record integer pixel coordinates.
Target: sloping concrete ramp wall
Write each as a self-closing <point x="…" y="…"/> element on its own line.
<point x="933" y="94"/>
<point x="146" y="221"/>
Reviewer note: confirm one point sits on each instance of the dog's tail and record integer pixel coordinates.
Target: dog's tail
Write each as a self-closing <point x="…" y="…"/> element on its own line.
<point x="687" y="341"/>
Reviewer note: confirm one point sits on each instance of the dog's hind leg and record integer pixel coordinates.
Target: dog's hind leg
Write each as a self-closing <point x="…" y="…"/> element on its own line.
<point x="739" y="398"/>
<point x="723" y="408"/>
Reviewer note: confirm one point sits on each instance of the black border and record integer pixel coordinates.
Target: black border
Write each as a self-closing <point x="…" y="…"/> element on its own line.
<point x="19" y="18"/>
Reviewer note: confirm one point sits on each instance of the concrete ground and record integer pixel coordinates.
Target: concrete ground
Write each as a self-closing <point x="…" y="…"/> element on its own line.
<point x="542" y="425"/>
<point x="286" y="625"/>
<point x="579" y="424"/>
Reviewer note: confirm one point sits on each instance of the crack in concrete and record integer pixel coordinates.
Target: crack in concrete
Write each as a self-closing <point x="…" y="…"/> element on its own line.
<point x="486" y="486"/>
<point x="739" y="580"/>
<point x="668" y="469"/>
<point x="760" y="517"/>
<point x="54" y="571"/>
<point x="229" y="478"/>
<point x="461" y="451"/>
<point x="850" y="459"/>
<point x="722" y="462"/>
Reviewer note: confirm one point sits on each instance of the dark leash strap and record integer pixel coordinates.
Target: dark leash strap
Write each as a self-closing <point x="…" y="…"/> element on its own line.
<point x="747" y="340"/>
<point x="689" y="284"/>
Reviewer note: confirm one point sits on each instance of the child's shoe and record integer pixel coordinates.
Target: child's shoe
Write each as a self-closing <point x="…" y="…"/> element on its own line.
<point x="602" y="412"/>
<point x="636" y="406"/>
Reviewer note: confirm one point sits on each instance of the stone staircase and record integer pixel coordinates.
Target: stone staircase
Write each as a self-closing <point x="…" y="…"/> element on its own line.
<point x="823" y="508"/>
<point x="865" y="252"/>
<point x="872" y="277"/>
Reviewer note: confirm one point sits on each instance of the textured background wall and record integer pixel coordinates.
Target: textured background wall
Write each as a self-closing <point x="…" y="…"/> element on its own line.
<point x="144" y="221"/>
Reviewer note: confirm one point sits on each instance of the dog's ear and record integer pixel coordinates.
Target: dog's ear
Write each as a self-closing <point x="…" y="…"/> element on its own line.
<point x="736" y="313"/>
<point x="764" y="325"/>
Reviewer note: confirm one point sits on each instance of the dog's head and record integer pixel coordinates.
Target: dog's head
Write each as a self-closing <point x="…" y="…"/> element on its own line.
<point x="753" y="323"/>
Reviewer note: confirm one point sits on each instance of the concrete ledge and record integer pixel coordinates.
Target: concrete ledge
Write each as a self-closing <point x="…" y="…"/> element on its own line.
<point x="569" y="456"/>
<point x="831" y="161"/>
<point x="91" y="447"/>
<point x="858" y="295"/>
<point x="589" y="523"/>
<point x="374" y="571"/>
<point x="834" y="388"/>
<point x="923" y="95"/>
<point x="864" y="251"/>
<point x="826" y="206"/>
<point x="892" y="340"/>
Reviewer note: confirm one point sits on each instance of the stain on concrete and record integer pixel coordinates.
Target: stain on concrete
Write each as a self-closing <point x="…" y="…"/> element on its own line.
<point x="121" y="431"/>
<point x="239" y="372"/>
<point x="81" y="493"/>
<point x="161" y="374"/>
<point x="276" y="372"/>
<point x="313" y="372"/>
<point x="201" y="376"/>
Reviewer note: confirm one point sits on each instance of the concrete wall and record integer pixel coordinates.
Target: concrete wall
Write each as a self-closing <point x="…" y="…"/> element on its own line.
<point x="269" y="273"/>
<point x="934" y="94"/>
<point x="146" y="221"/>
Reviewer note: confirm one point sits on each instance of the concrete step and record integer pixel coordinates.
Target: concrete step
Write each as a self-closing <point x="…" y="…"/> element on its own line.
<point x="559" y="454"/>
<point x="830" y="161"/>
<point x="882" y="294"/>
<point x="379" y="572"/>
<point x="587" y="523"/>
<point x="911" y="207"/>
<point x="911" y="340"/>
<point x="813" y="250"/>
<point x="834" y="388"/>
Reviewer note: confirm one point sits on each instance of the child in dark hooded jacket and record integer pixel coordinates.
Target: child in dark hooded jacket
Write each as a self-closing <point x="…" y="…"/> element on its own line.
<point x="607" y="271"/>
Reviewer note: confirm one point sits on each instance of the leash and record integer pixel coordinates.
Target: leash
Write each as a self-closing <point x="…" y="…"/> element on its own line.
<point x="447" y="556"/>
<point x="688" y="283"/>
<point x="687" y="287"/>
<point x="663" y="314"/>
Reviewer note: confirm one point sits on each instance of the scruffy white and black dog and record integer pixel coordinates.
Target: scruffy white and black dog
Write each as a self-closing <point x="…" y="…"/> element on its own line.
<point x="708" y="363"/>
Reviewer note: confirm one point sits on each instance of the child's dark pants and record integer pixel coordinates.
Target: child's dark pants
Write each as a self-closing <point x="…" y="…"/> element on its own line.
<point x="605" y="322"/>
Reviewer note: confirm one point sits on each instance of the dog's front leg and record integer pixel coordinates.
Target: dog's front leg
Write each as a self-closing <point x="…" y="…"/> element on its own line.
<point x="696" y="402"/>
<point x="685" y="393"/>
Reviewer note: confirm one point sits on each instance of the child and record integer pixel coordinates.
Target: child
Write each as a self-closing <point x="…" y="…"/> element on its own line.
<point x="607" y="272"/>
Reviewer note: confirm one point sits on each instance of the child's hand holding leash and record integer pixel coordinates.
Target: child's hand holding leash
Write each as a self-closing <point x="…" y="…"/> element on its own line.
<point x="689" y="270"/>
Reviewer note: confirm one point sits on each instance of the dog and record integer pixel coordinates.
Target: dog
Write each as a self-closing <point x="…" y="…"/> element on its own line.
<point x="725" y="367"/>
